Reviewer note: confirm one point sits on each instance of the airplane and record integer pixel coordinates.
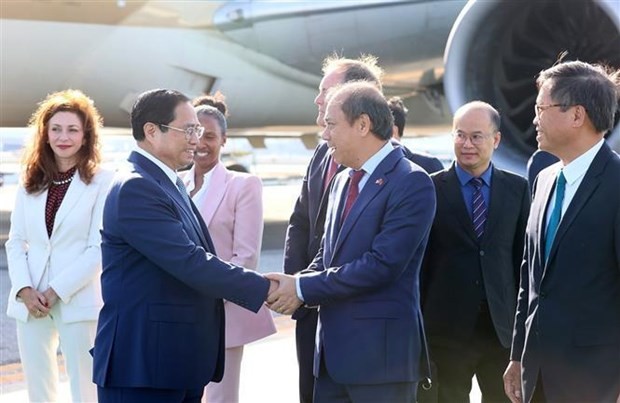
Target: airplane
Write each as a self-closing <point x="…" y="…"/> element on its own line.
<point x="266" y="56"/>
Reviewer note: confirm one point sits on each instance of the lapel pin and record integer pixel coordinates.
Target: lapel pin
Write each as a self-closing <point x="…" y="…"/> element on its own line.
<point x="379" y="181"/>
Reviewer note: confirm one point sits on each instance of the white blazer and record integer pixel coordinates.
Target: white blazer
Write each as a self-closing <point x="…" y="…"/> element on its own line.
<point x="71" y="257"/>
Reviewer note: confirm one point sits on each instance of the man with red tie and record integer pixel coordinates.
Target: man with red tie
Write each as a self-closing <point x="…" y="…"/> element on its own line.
<point x="370" y="341"/>
<point x="305" y="229"/>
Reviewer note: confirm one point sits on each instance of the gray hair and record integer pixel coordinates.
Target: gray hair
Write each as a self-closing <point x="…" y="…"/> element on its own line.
<point x="592" y="86"/>
<point x="363" y="98"/>
<point x="365" y="68"/>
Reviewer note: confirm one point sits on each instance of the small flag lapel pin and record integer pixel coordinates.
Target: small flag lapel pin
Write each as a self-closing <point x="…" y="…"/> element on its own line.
<point x="379" y="181"/>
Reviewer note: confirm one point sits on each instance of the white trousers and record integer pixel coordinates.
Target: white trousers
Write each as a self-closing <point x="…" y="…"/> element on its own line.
<point x="226" y="391"/>
<point x="38" y="341"/>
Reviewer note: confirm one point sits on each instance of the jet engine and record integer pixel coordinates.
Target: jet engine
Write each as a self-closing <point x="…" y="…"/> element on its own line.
<point x="496" y="49"/>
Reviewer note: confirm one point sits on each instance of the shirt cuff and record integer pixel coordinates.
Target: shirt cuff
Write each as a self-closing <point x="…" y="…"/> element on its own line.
<point x="298" y="289"/>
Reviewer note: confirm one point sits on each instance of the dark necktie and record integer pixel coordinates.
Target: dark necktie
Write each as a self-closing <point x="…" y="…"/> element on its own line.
<point x="556" y="214"/>
<point x="479" y="208"/>
<point x="352" y="193"/>
<point x="184" y="194"/>
<point x="332" y="168"/>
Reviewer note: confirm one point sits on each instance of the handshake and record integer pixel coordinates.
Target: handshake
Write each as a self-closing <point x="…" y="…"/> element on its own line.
<point x="282" y="297"/>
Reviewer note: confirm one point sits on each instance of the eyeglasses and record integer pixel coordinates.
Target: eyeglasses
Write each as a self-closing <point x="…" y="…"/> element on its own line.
<point x="189" y="131"/>
<point x="538" y="109"/>
<point x="475" y="139"/>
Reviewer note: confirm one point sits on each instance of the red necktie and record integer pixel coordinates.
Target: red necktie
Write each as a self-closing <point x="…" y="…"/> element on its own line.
<point x="352" y="193"/>
<point x="331" y="171"/>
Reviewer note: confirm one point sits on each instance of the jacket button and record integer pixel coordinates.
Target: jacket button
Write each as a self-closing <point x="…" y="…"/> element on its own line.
<point x="481" y="253"/>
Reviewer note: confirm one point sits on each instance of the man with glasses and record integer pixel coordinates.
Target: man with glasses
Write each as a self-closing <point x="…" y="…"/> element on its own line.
<point x="470" y="270"/>
<point x="160" y="335"/>
<point x="566" y="344"/>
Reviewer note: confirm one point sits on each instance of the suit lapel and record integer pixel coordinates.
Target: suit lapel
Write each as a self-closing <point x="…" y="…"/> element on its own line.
<point x="589" y="183"/>
<point x="76" y="190"/>
<point x="376" y="182"/>
<point x="217" y="188"/>
<point x="170" y="188"/>
<point x="451" y="192"/>
<point x="499" y="189"/>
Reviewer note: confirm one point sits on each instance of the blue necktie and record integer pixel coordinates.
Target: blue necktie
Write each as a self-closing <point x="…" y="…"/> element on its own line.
<point x="479" y="208"/>
<point x="556" y="214"/>
<point x="183" y="191"/>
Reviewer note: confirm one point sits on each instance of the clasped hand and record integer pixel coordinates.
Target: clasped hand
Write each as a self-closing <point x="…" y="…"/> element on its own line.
<point x="282" y="296"/>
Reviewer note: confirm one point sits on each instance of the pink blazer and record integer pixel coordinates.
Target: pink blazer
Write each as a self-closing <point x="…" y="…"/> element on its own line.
<point x="233" y="212"/>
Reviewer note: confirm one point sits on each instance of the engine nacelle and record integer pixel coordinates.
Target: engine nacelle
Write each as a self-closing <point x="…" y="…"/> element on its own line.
<point x="496" y="49"/>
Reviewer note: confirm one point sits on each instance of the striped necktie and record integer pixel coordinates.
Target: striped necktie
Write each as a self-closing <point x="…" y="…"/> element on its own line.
<point x="479" y="208"/>
<point x="556" y="214"/>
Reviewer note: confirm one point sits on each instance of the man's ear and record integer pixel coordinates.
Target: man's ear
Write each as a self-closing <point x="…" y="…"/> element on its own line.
<point x="579" y="116"/>
<point x="149" y="130"/>
<point x="364" y="124"/>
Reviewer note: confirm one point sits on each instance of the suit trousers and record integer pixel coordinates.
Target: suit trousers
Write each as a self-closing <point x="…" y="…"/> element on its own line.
<point x="227" y="390"/>
<point x="38" y="341"/>
<point x="326" y="390"/>
<point x="305" y="336"/>
<point x="148" y="395"/>
<point x="482" y="356"/>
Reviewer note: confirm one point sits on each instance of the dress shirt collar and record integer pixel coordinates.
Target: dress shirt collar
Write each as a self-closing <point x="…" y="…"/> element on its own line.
<point x="465" y="177"/>
<point x="170" y="173"/>
<point x="579" y="166"/>
<point x="373" y="162"/>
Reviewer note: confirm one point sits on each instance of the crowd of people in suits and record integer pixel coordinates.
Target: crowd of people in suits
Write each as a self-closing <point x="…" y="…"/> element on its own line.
<point x="405" y="279"/>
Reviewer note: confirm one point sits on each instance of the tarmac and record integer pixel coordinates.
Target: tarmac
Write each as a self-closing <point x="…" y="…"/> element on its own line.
<point x="268" y="370"/>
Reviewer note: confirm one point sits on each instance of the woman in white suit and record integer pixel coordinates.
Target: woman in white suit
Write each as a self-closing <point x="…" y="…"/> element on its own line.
<point x="231" y="206"/>
<point x="53" y="250"/>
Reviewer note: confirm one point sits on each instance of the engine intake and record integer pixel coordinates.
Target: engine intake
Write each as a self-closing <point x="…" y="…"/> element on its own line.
<point x="496" y="49"/>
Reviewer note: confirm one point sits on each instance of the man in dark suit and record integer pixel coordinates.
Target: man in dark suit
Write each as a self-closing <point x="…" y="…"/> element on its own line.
<point x="305" y="229"/>
<point x="470" y="273"/>
<point x="537" y="162"/>
<point x="370" y="342"/>
<point x="160" y="335"/>
<point x="566" y="344"/>
<point x="429" y="163"/>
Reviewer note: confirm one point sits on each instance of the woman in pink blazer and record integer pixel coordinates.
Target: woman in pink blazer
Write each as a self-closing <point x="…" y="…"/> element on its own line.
<point x="231" y="205"/>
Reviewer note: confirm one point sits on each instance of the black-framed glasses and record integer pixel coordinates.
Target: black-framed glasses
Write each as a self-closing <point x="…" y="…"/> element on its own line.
<point x="540" y="108"/>
<point x="476" y="139"/>
<point x="189" y="130"/>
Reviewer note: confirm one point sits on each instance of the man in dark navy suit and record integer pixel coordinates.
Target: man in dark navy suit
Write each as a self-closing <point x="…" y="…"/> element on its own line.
<point x="470" y="274"/>
<point x="370" y="340"/>
<point x="305" y="229"/>
<point x="566" y="343"/>
<point x="160" y="336"/>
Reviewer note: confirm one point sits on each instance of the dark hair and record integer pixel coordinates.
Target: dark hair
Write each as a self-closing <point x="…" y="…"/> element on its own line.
<point x="155" y="106"/>
<point x="363" y="98"/>
<point x="399" y="113"/>
<point x="592" y="86"/>
<point x="365" y="68"/>
<point x="212" y="112"/>
<point x="218" y="101"/>
<point x="38" y="159"/>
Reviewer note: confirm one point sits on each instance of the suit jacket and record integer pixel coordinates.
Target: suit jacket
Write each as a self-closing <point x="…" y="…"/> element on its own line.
<point x="233" y="212"/>
<point x="162" y="322"/>
<point x="427" y="162"/>
<point x="70" y="258"/>
<point x="459" y="270"/>
<point x="365" y="278"/>
<point x="568" y="313"/>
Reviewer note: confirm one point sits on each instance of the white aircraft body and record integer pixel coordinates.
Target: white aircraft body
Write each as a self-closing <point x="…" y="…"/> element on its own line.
<point x="265" y="56"/>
